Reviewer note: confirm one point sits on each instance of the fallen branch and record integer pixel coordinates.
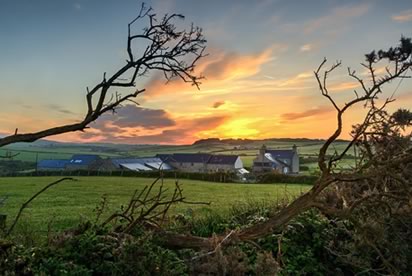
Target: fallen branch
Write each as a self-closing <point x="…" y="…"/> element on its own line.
<point x="149" y="207"/>
<point x="25" y="204"/>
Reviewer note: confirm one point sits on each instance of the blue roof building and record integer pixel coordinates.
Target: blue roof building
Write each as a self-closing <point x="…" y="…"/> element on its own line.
<point x="52" y="164"/>
<point x="82" y="161"/>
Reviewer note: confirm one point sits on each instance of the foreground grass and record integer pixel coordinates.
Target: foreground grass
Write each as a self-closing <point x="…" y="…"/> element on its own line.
<point x="68" y="202"/>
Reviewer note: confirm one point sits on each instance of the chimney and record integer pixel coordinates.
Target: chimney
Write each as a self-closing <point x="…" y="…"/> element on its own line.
<point x="262" y="150"/>
<point x="295" y="148"/>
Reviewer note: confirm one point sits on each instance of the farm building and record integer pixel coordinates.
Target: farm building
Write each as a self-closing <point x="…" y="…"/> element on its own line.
<point x="52" y="165"/>
<point x="224" y="163"/>
<point x="282" y="161"/>
<point x="184" y="162"/>
<point x="83" y="162"/>
<point x="136" y="164"/>
<point x="202" y="162"/>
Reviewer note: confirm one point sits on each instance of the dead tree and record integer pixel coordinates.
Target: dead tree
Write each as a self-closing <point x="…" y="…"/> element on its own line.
<point x="400" y="62"/>
<point x="166" y="49"/>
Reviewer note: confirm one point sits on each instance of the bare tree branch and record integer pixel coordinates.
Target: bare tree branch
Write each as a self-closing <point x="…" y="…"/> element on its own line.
<point x="169" y="50"/>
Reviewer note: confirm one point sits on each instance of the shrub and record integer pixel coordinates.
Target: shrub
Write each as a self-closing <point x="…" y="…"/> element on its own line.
<point x="285" y="178"/>
<point x="93" y="252"/>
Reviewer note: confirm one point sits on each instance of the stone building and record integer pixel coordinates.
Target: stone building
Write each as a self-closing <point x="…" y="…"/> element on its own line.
<point x="281" y="161"/>
<point x="202" y="162"/>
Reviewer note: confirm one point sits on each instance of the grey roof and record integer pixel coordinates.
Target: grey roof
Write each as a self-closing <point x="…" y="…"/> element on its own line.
<point x="165" y="157"/>
<point x="186" y="157"/>
<point x="199" y="158"/>
<point x="146" y="163"/>
<point x="278" y="160"/>
<point x="135" y="167"/>
<point x="270" y="158"/>
<point x="223" y="159"/>
<point x="282" y="154"/>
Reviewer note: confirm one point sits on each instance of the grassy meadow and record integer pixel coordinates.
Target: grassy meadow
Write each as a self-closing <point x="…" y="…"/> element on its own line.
<point x="67" y="203"/>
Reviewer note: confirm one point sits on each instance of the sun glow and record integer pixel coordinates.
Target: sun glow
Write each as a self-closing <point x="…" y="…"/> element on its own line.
<point x="238" y="128"/>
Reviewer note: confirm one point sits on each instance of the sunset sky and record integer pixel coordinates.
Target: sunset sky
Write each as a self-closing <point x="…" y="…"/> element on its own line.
<point x="259" y="72"/>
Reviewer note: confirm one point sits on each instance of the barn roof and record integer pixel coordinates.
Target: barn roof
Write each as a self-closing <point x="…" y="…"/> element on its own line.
<point x="135" y="167"/>
<point x="199" y="158"/>
<point x="52" y="163"/>
<point x="186" y="157"/>
<point x="83" y="159"/>
<point x="146" y="163"/>
<point x="165" y="157"/>
<point x="223" y="159"/>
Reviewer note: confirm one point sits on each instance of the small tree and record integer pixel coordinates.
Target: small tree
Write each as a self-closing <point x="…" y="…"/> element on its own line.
<point x="166" y="49"/>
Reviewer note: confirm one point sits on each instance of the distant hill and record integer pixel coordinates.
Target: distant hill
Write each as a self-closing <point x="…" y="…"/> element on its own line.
<point x="218" y="141"/>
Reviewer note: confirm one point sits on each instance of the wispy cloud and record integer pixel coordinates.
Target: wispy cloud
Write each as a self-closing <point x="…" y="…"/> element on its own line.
<point x="234" y="66"/>
<point x="343" y="86"/>
<point x="306" y="48"/>
<point x="59" y="108"/>
<point x="307" y="113"/>
<point x="219" y="67"/>
<point x="218" y="104"/>
<point x="77" y="6"/>
<point x="336" y="17"/>
<point x="297" y="80"/>
<point x="403" y="16"/>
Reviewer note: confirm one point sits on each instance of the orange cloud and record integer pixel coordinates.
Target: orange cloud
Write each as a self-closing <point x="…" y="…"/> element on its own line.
<point x="404" y="97"/>
<point x="297" y="80"/>
<point x="235" y="66"/>
<point x="403" y="16"/>
<point x="133" y="124"/>
<point x="217" y="67"/>
<point x="342" y="86"/>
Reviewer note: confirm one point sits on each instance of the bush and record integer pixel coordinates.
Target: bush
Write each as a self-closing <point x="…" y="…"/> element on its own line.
<point x="311" y="244"/>
<point x="93" y="252"/>
<point x="304" y="246"/>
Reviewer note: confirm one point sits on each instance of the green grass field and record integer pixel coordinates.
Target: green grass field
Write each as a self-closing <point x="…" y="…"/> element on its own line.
<point x="67" y="203"/>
